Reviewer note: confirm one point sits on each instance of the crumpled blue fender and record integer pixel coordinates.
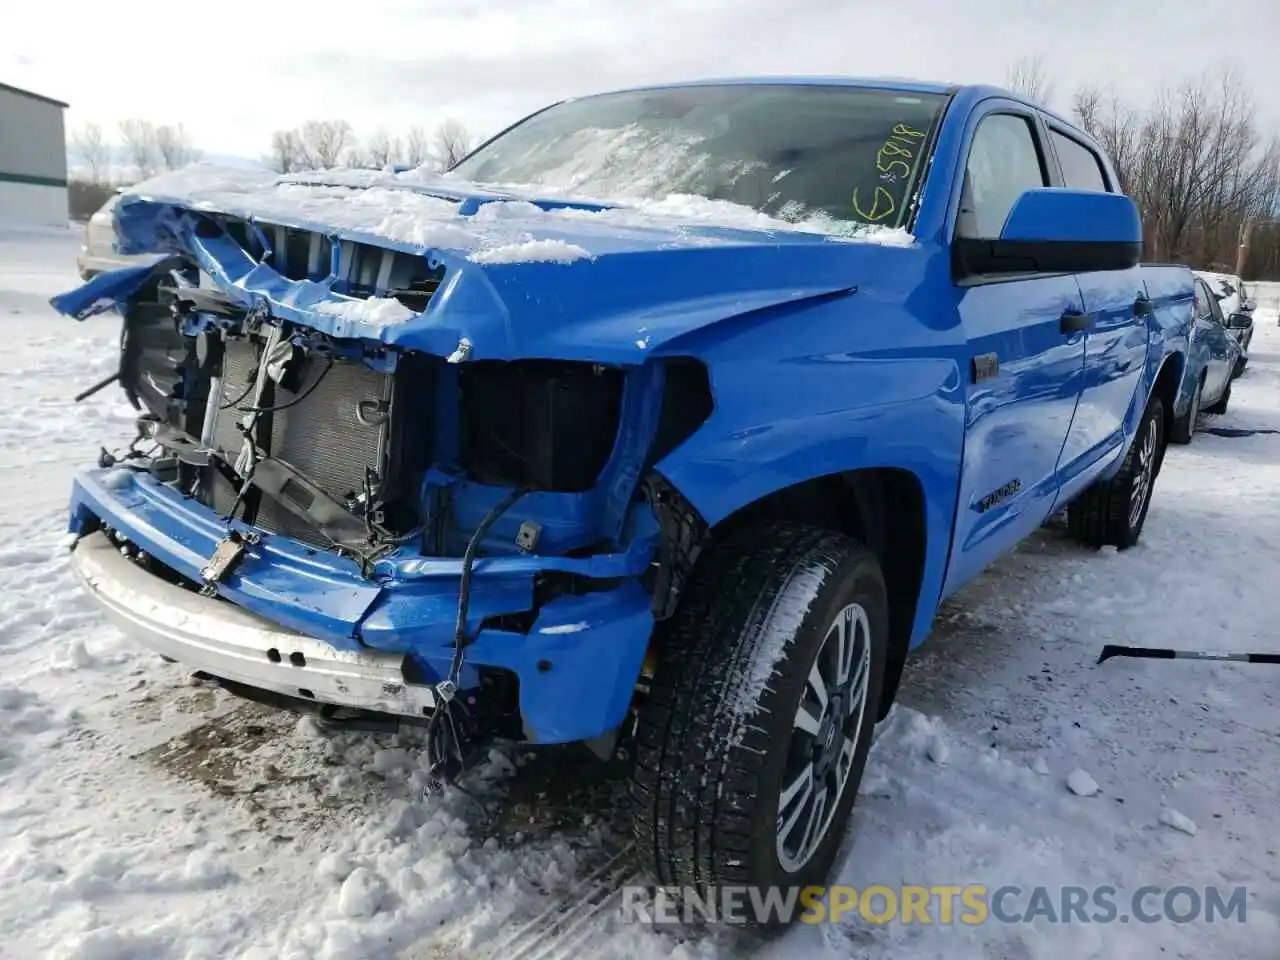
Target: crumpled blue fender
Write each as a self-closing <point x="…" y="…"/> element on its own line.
<point x="104" y="292"/>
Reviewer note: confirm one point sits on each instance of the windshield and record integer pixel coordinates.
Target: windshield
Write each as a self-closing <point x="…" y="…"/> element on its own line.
<point x="795" y="152"/>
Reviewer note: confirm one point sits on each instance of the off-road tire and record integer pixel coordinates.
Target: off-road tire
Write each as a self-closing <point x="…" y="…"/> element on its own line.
<point x="1221" y="405"/>
<point x="1184" y="427"/>
<point x="715" y="734"/>
<point x="1103" y="515"/>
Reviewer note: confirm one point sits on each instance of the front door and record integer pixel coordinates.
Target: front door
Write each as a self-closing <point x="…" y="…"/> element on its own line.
<point x="1026" y="340"/>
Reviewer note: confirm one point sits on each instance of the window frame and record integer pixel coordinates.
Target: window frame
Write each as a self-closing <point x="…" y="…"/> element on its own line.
<point x="1057" y="130"/>
<point x="1037" y="144"/>
<point x="1212" y="312"/>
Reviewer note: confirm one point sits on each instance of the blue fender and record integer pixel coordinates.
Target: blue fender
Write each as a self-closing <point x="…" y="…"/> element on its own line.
<point x="867" y="380"/>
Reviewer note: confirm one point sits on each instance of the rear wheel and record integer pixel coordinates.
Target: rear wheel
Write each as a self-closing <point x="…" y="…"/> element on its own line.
<point x="751" y="744"/>
<point x="1113" y="512"/>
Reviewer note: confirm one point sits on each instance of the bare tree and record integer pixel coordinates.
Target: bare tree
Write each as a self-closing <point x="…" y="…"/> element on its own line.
<point x="381" y="149"/>
<point x="417" y="150"/>
<point x="139" y="138"/>
<point x="287" y="151"/>
<point x="1027" y="76"/>
<point x="326" y="141"/>
<point x="1116" y="127"/>
<point x="174" y="146"/>
<point x="87" y="144"/>
<point x="1195" y="164"/>
<point x="452" y="142"/>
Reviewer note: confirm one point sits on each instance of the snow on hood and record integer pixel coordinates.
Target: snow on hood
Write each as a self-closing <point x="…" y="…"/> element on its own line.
<point x="526" y="274"/>
<point x="485" y="222"/>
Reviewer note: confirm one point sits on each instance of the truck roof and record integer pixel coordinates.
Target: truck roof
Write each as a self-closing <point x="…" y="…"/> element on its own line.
<point x="872" y="83"/>
<point x="972" y="91"/>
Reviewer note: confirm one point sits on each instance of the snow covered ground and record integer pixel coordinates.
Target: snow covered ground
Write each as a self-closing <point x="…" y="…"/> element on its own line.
<point x="142" y="816"/>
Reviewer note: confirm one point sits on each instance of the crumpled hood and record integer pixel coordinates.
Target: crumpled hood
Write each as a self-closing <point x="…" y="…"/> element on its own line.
<point x="525" y="275"/>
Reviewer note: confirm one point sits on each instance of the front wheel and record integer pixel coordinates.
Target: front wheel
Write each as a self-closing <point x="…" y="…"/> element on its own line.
<point x="1113" y="512"/>
<point x="752" y="741"/>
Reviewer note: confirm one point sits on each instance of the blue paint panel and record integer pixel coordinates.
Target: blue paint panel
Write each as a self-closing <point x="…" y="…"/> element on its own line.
<point x="1116" y="350"/>
<point x="1017" y="420"/>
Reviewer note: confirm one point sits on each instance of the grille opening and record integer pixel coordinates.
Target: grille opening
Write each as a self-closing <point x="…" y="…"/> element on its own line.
<point x="246" y="237"/>
<point x="417" y="293"/>
<point x="539" y="424"/>
<point x="363" y="270"/>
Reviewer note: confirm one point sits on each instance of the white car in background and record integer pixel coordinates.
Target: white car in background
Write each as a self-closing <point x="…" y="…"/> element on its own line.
<point x="98" y="247"/>
<point x="1237" y="310"/>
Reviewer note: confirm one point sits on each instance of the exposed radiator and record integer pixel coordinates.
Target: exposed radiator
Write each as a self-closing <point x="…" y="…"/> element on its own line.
<point x="323" y="437"/>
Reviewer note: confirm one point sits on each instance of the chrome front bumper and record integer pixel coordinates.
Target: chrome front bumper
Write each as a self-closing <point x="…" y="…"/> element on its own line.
<point x="232" y="644"/>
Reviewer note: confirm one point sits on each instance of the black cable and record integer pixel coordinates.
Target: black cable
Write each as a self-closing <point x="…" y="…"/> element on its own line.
<point x="437" y="758"/>
<point x="300" y="397"/>
<point x="464" y="588"/>
<point x="253" y="382"/>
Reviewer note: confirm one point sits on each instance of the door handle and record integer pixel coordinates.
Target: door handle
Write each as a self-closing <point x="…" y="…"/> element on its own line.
<point x="1143" y="307"/>
<point x="1073" y="321"/>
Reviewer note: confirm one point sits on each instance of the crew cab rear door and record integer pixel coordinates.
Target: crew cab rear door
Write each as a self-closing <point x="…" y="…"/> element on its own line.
<point x="1116" y="337"/>
<point x="1026" y="337"/>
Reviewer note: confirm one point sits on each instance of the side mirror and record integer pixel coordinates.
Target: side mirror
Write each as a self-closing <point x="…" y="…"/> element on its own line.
<point x="1239" y="321"/>
<point x="1055" y="230"/>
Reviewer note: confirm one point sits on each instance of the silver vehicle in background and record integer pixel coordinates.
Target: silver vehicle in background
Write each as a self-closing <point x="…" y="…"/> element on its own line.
<point x="98" y="247"/>
<point x="1237" y="307"/>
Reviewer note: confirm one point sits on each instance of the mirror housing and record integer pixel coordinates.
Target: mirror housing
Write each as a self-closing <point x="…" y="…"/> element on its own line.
<point x="1055" y="230"/>
<point x="1239" y="321"/>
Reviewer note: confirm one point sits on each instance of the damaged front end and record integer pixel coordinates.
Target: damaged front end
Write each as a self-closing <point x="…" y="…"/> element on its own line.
<point x="320" y="508"/>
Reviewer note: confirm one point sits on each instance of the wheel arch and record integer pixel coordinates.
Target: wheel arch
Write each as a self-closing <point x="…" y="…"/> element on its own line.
<point x="1172" y="387"/>
<point x="888" y="510"/>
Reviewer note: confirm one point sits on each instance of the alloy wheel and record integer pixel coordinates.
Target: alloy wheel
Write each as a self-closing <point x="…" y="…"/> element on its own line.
<point x="824" y="737"/>
<point x="1145" y="471"/>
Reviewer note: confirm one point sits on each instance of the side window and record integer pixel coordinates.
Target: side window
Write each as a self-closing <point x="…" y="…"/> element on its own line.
<point x="1003" y="162"/>
<point x="1204" y="302"/>
<point x="1081" y="167"/>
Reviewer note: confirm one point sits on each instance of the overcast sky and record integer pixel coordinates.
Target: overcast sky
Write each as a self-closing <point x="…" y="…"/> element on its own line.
<point x="233" y="71"/>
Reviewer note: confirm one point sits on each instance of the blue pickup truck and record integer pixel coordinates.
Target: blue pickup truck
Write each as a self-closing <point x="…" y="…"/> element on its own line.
<point x="661" y="423"/>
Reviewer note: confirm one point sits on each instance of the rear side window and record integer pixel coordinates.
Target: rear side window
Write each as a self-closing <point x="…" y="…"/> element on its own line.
<point x="1003" y="162"/>
<point x="1204" y="301"/>
<point x="1081" y="167"/>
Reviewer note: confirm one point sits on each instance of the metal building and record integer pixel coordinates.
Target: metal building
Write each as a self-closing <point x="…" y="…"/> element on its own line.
<point x="33" y="158"/>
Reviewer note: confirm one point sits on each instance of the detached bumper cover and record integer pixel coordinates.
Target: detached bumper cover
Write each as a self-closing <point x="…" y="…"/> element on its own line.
<point x="232" y="644"/>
